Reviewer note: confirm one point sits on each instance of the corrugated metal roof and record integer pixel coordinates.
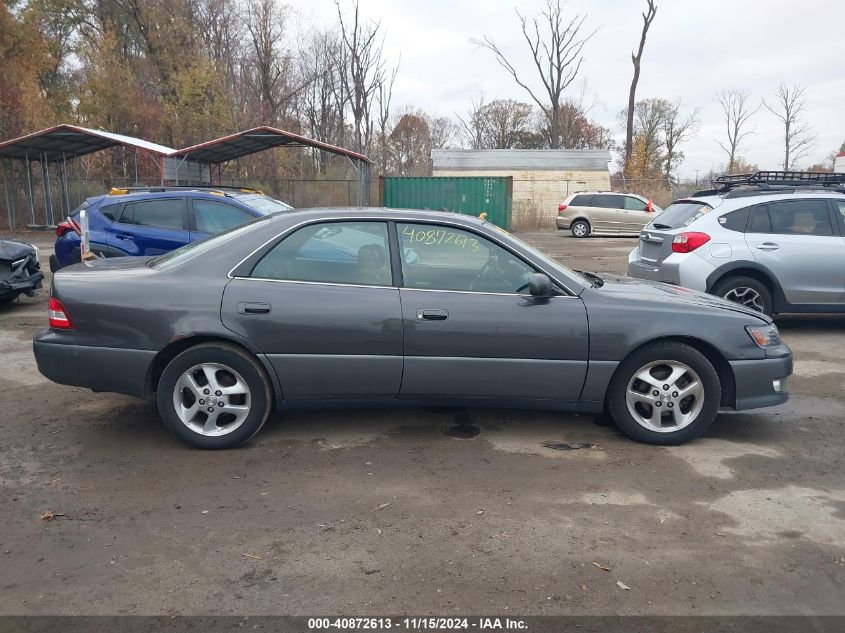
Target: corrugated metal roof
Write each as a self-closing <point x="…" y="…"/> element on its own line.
<point x="257" y="139"/>
<point x="521" y="159"/>
<point x="69" y="141"/>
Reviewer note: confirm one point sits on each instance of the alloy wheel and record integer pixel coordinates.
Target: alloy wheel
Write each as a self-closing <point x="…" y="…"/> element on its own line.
<point x="745" y="296"/>
<point x="211" y="399"/>
<point x="665" y="396"/>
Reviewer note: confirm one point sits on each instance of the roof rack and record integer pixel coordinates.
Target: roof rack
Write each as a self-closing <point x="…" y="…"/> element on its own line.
<point x="162" y="188"/>
<point x="781" y="178"/>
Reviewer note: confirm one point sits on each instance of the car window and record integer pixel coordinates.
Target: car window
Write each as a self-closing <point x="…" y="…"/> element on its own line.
<point x="438" y="257"/>
<point x="683" y="213"/>
<point x="841" y="205"/>
<point x="581" y="201"/>
<point x="735" y="220"/>
<point x="112" y="211"/>
<point x="263" y="204"/>
<point x="162" y="214"/>
<point x="331" y="252"/>
<point x="211" y="216"/>
<point x="759" y="222"/>
<point x="634" y="204"/>
<point x="609" y="202"/>
<point x="800" y="217"/>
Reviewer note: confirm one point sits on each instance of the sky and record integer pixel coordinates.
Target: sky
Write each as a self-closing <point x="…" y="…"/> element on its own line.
<point x="694" y="50"/>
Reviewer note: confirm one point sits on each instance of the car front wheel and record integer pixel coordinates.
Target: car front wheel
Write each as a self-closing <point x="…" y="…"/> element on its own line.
<point x="214" y="396"/>
<point x="580" y="228"/>
<point x="664" y="393"/>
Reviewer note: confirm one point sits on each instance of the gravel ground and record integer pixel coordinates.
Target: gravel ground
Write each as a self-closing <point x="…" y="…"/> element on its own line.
<point x="379" y="512"/>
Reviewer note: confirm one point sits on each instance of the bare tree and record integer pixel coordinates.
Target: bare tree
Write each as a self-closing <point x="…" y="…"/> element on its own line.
<point x="472" y="127"/>
<point x="556" y="52"/>
<point x="677" y="128"/>
<point x="364" y="70"/>
<point x="318" y="103"/>
<point x="384" y="96"/>
<point x="636" y="58"/>
<point x="789" y="107"/>
<point x="737" y="113"/>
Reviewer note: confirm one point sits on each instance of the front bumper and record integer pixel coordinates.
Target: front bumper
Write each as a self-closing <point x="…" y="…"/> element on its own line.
<point x="109" y="369"/>
<point x="27" y="280"/>
<point x="755" y="381"/>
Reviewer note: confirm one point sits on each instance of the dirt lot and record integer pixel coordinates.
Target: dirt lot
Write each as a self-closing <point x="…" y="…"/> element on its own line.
<point x="374" y="512"/>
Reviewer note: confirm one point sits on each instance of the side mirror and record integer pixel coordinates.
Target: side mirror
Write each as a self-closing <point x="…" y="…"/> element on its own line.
<point x="539" y="285"/>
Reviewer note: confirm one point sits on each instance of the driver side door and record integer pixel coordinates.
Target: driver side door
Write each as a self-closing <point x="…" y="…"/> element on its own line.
<point x="472" y="330"/>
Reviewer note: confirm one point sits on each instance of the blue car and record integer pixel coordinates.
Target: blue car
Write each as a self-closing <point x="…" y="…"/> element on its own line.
<point x="157" y="220"/>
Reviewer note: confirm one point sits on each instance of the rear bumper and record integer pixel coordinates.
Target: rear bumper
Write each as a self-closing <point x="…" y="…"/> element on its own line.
<point x="680" y="269"/>
<point x="124" y="371"/>
<point x="562" y="222"/>
<point x="755" y="382"/>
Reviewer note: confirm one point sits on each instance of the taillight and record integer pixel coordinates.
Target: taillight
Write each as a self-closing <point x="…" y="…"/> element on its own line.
<point x="62" y="228"/>
<point x="561" y="209"/>
<point x="59" y="317"/>
<point x="688" y="242"/>
<point x="66" y="226"/>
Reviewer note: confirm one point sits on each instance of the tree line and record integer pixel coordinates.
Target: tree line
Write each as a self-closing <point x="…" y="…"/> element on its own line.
<point x="184" y="71"/>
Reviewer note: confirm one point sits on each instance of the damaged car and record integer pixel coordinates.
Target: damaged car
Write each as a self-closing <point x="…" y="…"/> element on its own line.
<point x="20" y="270"/>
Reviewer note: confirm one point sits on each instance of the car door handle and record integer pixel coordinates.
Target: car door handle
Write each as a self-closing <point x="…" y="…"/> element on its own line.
<point x="124" y="236"/>
<point x="432" y="315"/>
<point x="254" y="308"/>
<point x="767" y="246"/>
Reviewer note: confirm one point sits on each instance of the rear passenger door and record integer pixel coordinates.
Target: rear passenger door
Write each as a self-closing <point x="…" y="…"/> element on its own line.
<point x="151" y="227"/>
<point x="208" y="217"/>
<point x="800" y="242"/>
<point x="607" y="213"/>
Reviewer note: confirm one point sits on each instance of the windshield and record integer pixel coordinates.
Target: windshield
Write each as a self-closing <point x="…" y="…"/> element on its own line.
<point x="265" y="205"/>
<point x="681" y="214"/>
<point x="189" y="251"/>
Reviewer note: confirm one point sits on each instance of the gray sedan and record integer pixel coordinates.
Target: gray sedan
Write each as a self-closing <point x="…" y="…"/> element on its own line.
<point x="342" y="307"/>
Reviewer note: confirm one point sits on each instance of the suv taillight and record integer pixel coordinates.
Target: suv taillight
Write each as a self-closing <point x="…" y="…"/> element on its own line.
<point x="67" y="226"/>
<point x="688" y="242"/>
<point x="561" y="209"/>
<point x="59" y="318"/>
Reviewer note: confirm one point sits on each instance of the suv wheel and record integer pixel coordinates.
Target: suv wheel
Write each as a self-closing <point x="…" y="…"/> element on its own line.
<point x="580" y="228"/>
<point x="745" y="291"/>
<point x="214" y="396"/>
<point x="664" y="393"/>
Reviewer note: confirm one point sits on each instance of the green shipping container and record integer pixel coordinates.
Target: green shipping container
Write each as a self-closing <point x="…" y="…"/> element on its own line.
<point x="470" y="195"/>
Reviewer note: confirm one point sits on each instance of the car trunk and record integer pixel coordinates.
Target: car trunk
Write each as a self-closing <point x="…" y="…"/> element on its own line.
<point x="656" y="238"/>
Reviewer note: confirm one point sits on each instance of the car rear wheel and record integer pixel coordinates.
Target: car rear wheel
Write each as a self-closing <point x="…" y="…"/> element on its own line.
<point x="745" y="291"/>
<point x="214" y="396"/>
<point x="665" y="393"/>
<point x="580" y="228"/>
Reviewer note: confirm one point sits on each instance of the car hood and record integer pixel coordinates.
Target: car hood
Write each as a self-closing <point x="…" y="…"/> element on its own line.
<point x="643" y="290"/>
<point x="12" y="251"/>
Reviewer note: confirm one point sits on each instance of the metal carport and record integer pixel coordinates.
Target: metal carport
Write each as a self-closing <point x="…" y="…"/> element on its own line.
<point x="57" y="145"/>
<point x="215" y="153"/>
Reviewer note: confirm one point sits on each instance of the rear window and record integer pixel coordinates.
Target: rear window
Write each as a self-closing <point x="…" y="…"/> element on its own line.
<point x="680" y="214"/>
<point x="735" y="220"/>
<point x="581" y="201"/>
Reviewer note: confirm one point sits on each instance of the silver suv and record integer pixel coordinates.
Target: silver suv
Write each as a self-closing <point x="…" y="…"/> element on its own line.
<point x="605" y="213"/>
<point x="772" y="241"/>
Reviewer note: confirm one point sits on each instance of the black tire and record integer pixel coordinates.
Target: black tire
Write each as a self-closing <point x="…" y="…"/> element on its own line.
<point x="230" y="356"/>
<point x="583" y="228"/>
<point x="55" y="264"/>
<point x="669" y="351"/>
<point x="735" y="285"/>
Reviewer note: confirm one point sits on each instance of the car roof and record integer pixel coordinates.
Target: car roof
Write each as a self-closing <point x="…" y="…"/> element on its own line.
<point x="729" y="203"/>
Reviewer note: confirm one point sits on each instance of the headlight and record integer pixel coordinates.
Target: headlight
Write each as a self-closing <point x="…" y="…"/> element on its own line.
<point x="764" y="335"/>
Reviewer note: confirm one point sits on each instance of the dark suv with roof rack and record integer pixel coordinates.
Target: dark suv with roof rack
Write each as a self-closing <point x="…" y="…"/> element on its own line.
<point x="157" y="220"/>
<point x="772" y="241"/>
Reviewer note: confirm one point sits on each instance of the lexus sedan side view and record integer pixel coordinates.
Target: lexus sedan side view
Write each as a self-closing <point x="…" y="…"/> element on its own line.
<point x="388" y="307"/>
